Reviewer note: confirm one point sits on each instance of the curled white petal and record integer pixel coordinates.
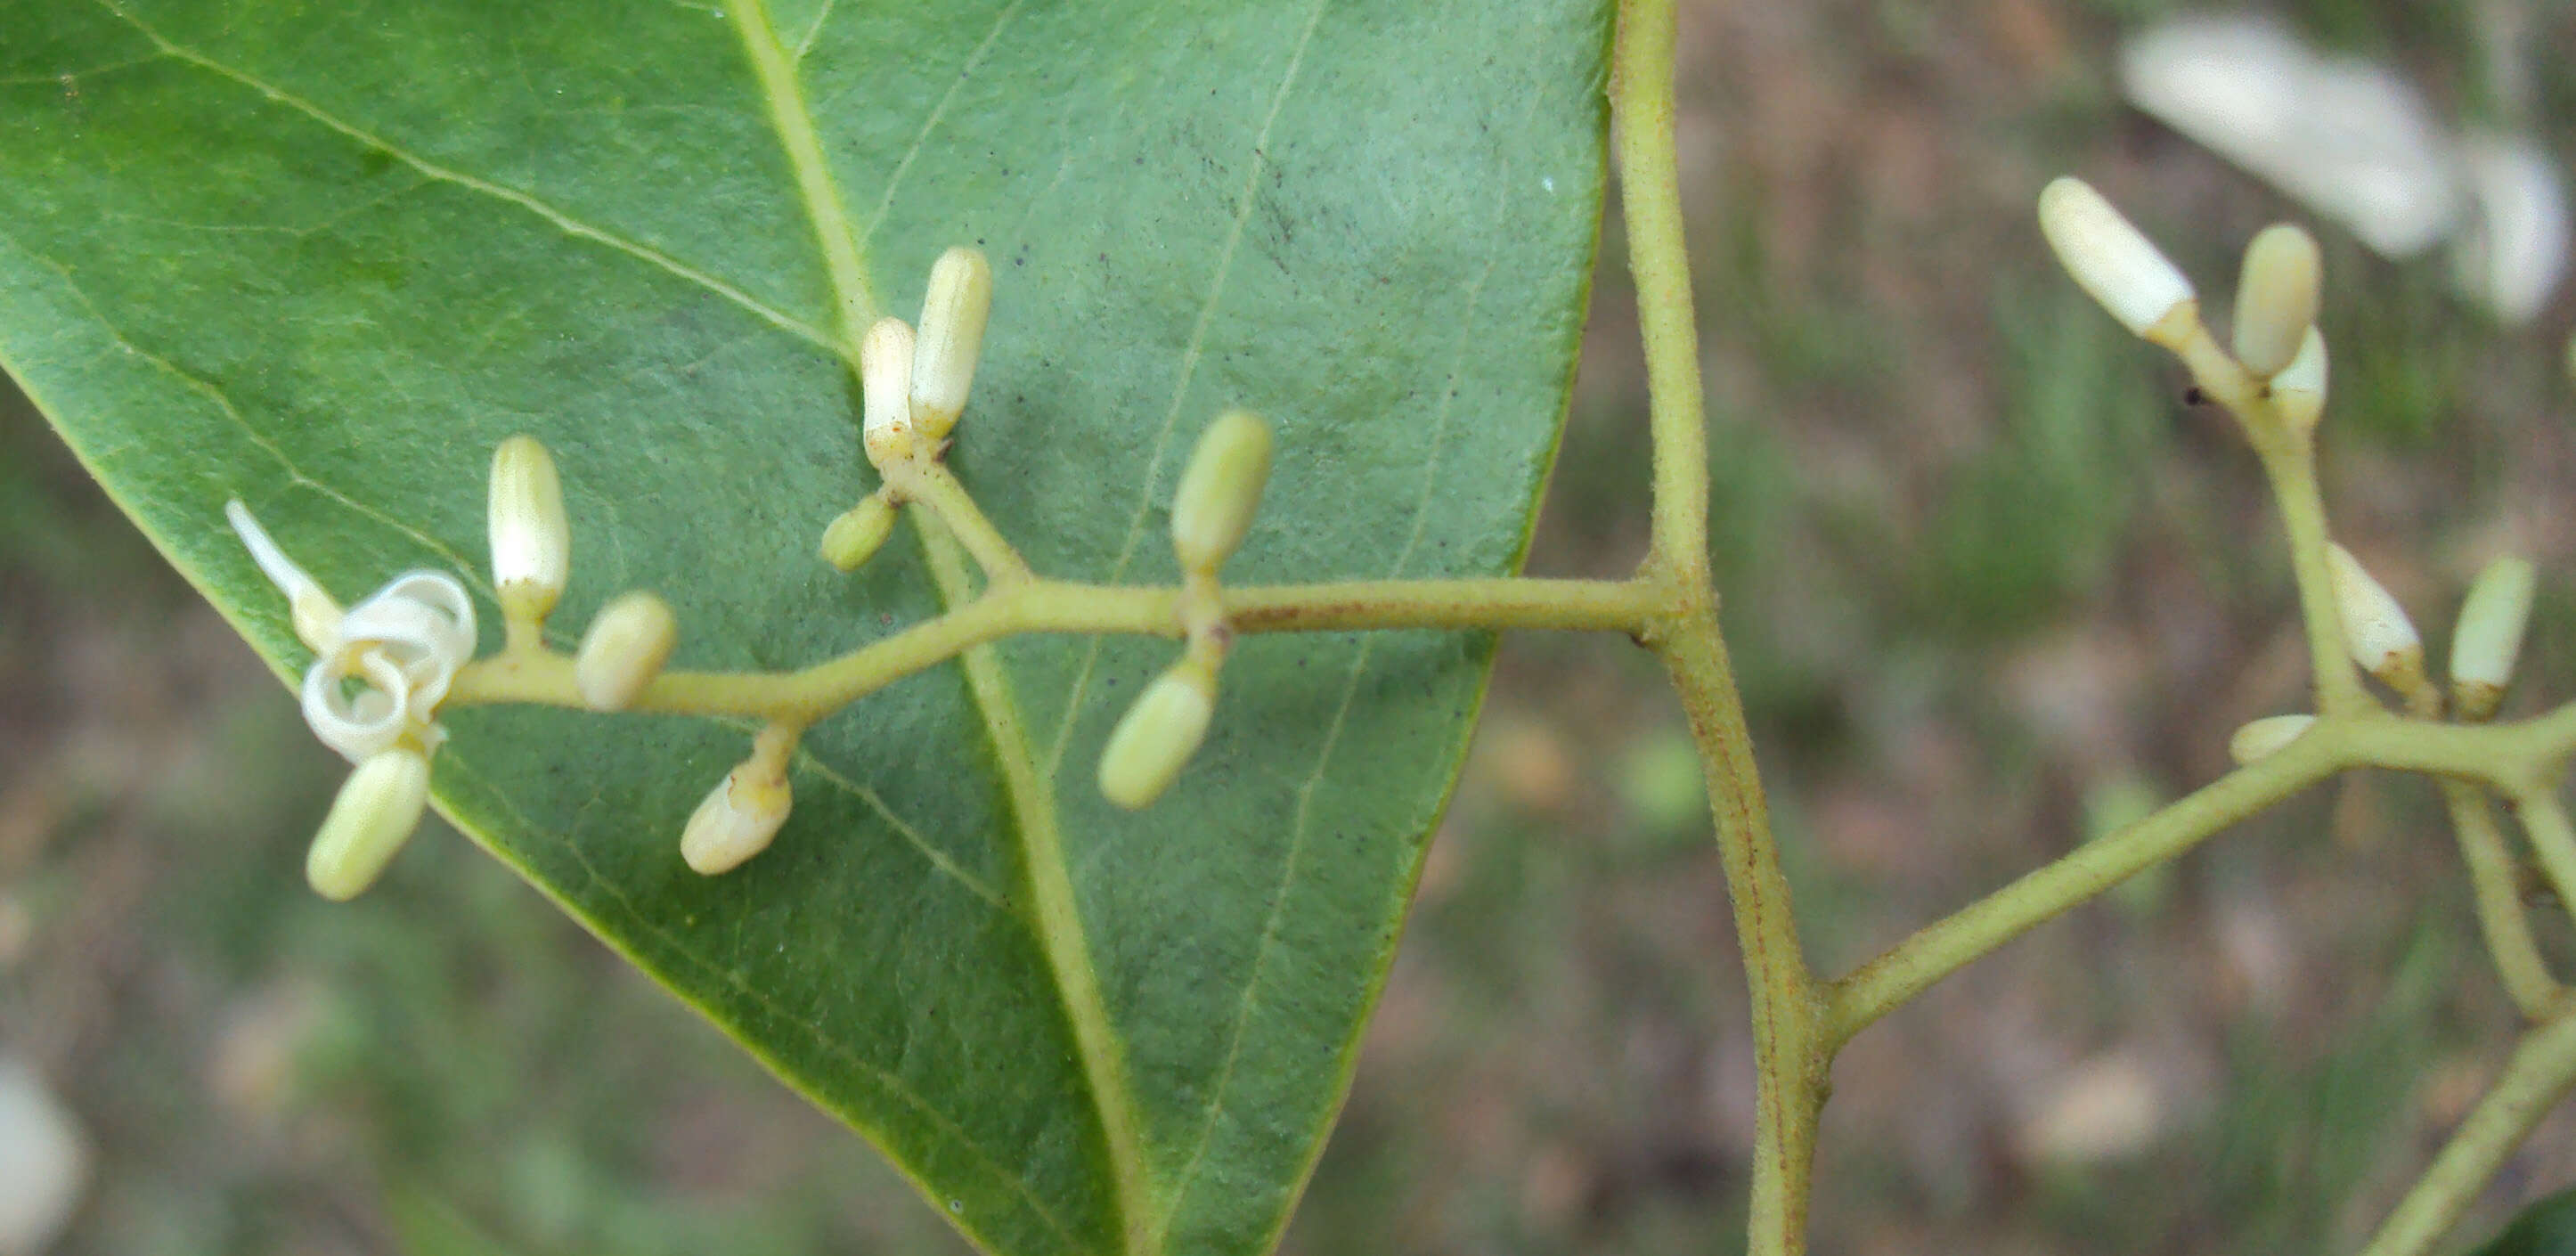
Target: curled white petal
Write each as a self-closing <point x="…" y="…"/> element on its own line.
<point x="452" y="633"/>
<point x="361" y="725"/>
<point x="273" y="562"/>
<point x="404" y="633"/>
<point x="424" y="622"/>
<point x="316" y="616"/>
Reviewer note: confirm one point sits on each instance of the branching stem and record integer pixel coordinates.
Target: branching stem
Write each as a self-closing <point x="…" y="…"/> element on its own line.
<point x="2501" y="920"/>
<point x="2534" y="1080"/>
<point x="1670" y="606"/>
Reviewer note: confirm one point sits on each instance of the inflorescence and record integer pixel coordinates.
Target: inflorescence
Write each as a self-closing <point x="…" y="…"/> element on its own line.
<point x="383" y="668"/>
<point x="2275" y="384"/>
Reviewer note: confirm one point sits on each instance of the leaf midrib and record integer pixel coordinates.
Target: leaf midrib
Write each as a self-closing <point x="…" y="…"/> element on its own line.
<point x="1029" y="792"/>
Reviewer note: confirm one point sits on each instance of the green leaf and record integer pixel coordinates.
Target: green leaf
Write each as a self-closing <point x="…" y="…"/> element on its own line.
<point x="2546" y="1228"/>
<point x="323" y="256"/>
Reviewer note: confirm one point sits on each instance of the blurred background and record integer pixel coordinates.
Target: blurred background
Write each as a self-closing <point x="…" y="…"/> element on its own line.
<point x="1993" y="587"/>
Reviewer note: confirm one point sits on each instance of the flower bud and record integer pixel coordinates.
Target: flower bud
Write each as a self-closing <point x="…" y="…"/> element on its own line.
<point x="375" y="813"/>
<point x="1220" y="490"/>
<point x="2489" y="637"/>
<point x="2300" y="389"/>
<point x="531" y="541"/>
<point x="738" y="819"/>
<point x="1157" y="736"/>
<point x="854" y="537"/>
<point x="624" y="650"/>
<point x="2375" y="627"/>
<point x="885" y="379"/>
<point x="2108" y="258"/>
<point x="952" y="337"/>
<point x="2262" y="738"/>
<point x="2276" y="298"/>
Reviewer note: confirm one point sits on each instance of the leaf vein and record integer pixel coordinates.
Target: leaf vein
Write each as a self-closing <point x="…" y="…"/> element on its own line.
<point x="1299" y="823"/>
<point x="1244" y="202"/>
<point x="562" y="221"/>
<point x="295" y="475"/>
<point x="938" y="858"/>
<point x="677" y="948"/>
<point x="868" y="233"/>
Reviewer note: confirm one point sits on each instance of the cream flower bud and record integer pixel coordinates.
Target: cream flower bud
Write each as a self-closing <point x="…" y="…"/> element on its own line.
<point x="2108" y="258"/>
<point x="854" y="538"/>
<point x="1157" y="736"/>
<point x="377" y="810"/>
<point x="2276" y="298"/>
<point x="2375" y="628"/>
<point x="2300" y="389"/>
<point x="624" y="650"/>
<point x="2489" y="636"/>
<point x="1220" y="490"/>
<point x="952" y="338"/>
<point x="738" y="819"/>
<point x="315" y="616"/>
<point x="2262" y="738"/>
<point x="885" y="377"/>
<point x="531" y="541"/>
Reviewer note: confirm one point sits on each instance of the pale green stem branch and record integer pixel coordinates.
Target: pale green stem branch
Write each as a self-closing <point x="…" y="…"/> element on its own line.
<point x="1791" y="1056"/>
<point x="2501" y="920"/>
<point x="1650" y="204"/>
<point x="932" y="485"/>
<point x="2538" y="1075"/>
<point x="1944" y="947"/>
<point x="1791" y="1063"/>
<point x="2290" y="463"/>
<point x="1050" y="606"/>
<point x="2553" y="839"/>
<point x="2505" y="757"/>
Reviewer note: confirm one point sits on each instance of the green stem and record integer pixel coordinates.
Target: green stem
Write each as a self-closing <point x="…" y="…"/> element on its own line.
<point x="1052" y="606"/>
<point x="1791" y="1055"/>
<point x="2500" y="916"/>
<point x="933" y="486"/>
<point x="2293" y="473"/>
<point x="1942" y="948"/>
<point x="2534" y="1080"/>
<point x="2289" y="458"/>
<point x="2553" y="839"/>
<point x="1650" y="204"/>
<point x="1792" y="1063"/>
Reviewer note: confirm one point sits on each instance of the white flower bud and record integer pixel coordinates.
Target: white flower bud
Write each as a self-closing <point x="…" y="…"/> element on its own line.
<point x="952" y="338"/>
<point x="2109" y="258"/>
<point x="624" y="650"/>
<point x="315" y="616"/>
<point x="2300" y="389"/>
<point x="2489" y="636"/>
<point x="531" y="541"/>
<point x="1157" y="736"/>
<point x="2375" y="628"/>
<point x="1220" y="490"/>
<point x="738" y="819"/>
<point x="854" y="538"/>
<point x="2276" y="298"/>
<point x="2262" y="738"/>
<point x="885" y="379"/>
<point x="377" y="810"/>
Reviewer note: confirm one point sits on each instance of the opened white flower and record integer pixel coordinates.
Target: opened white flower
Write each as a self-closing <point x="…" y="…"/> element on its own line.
<point x="401" y="645"/>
